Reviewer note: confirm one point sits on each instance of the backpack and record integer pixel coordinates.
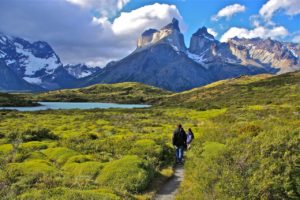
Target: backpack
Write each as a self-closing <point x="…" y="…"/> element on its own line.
<point x="178" y="137"/>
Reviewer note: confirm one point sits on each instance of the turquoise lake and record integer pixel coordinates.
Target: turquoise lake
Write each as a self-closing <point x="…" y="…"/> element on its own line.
<point x="72" y="105"/>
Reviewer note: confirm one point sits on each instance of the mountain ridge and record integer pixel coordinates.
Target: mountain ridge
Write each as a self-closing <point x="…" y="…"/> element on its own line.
<point x="160" y="59"/>
<point x="36" y="66"/>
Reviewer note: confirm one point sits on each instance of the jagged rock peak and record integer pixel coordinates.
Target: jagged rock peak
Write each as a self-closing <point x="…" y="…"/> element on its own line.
<point x="203" y="32"/>
<point x="173" y="25"/>
<point x="149" y="32"/>
<point x="169" y="34"/>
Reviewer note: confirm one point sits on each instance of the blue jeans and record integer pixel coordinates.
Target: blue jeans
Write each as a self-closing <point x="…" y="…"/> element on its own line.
<point x="179" y="153"/>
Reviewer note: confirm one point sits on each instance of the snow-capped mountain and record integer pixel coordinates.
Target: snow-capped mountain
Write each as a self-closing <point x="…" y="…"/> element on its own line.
<point x="30" y="61"/>
<point x="37" y="64"/>
<point x="9" y="81"/>
<point x="81" y="70"/>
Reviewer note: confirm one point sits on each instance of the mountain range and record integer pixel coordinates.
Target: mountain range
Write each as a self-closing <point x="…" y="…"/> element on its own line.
<point x="161" y="59"/>
<point x="26" y="66"/>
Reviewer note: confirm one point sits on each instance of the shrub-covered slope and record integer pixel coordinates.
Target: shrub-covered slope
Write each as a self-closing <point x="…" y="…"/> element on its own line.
<point x="115" y="93"/>
<point x="247" y="90"/>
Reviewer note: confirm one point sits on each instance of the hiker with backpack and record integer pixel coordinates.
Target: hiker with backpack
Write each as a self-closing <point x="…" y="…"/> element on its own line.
<point x="179" y="141"/>
<point x="189" y="138"/>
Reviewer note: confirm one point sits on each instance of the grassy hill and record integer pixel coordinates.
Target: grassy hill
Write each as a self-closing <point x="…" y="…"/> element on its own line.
<point x="15" y="100"/>
<point x="246" y="147"/>
<point x="113" y="93"/>
<point x="247" y="90"/>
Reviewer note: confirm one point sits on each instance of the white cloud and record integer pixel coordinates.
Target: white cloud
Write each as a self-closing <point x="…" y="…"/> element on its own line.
<point x="212" y="32"/>
<point x="296" y="39"/>
<point x="229" y="11"/>
<point x="104" y="7"/>
<point x="260" y="31"/>
<point x="75" y="35"/>
<point x="290" y="7"/>
<point x="151" y="16"/>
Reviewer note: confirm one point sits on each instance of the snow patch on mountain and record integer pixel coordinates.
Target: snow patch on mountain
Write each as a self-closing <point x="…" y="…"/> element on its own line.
<point x="198" y="58"/>
<point x="34" y="64"/>
<point x="293" y="53"/>
<point x="2" y="54"/>
<point x="2" y="39"/>
<point x="36" y="81"/>
<point x="81" y="70"/>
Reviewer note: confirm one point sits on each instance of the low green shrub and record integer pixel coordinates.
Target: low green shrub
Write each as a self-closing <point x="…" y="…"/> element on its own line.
<point x="31" y="167"/>
<point x="148" y="150"/>
<point x="32" y="135"/>
<point x="33" y="146"/>
<point x="5" y="148"/>
<point x="129" y="173"/>
<point x="59" y="155"/>
<point x="82" y="173"/>
<point x="69" y="194"/>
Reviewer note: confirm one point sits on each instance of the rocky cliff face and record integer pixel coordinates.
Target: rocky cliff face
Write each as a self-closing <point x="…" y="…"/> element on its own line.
<point x="206" y="50"/>
<point x="272" y="55"/>
<point x="169" y="34"/>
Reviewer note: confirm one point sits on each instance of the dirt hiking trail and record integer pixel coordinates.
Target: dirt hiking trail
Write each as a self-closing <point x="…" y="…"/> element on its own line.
<point x="169" y="190"/>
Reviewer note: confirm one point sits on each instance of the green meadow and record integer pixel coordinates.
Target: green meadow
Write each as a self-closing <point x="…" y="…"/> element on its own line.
<point x="247" y="144"/>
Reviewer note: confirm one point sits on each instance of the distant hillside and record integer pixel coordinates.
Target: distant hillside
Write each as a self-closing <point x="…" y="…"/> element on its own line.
<point x="113" y="93"/>
<point x="246" y="90"/>
<point x="15" y="100"/>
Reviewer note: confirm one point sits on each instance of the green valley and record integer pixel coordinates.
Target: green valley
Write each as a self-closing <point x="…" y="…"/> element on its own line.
<point x="247" y="142"/>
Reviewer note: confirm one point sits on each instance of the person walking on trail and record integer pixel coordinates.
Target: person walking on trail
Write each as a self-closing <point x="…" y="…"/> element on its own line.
<point x="189" y="138"/>
<point x="179" y="141"/>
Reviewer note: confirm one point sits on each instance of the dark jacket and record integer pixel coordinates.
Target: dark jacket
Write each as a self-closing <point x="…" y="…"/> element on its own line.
<point x="179" y="137"/>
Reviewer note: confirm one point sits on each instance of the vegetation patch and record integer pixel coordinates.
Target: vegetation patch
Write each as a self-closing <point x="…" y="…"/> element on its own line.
<point x="66" y="193"/>
<point x="130" y="173"/>
<point x="246" y="145"/>
<point x="59" y="155"/>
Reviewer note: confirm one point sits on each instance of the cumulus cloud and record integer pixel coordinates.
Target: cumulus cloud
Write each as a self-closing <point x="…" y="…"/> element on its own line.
<point x="154" y="16"/>
<point x="260" y="31"/>
<point x="228" y="11"/>
<point x="104" y="7"/>
<point x="290" y="7"/>
<point x="75" y="34"/>
<point x="262" y="23"/>
<point x="212" y="32"/>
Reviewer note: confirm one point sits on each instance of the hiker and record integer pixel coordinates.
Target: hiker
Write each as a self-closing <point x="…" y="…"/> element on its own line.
<point x="179" y="141"/>
<point x="189" y="138"/>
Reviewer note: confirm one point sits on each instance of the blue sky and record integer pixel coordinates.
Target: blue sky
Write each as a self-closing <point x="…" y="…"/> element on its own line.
<point x="99" y="31"/>
<point x="198" y="13"/>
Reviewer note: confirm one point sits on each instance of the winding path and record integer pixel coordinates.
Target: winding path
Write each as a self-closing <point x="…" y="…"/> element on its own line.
<point x="169" y="190"/>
